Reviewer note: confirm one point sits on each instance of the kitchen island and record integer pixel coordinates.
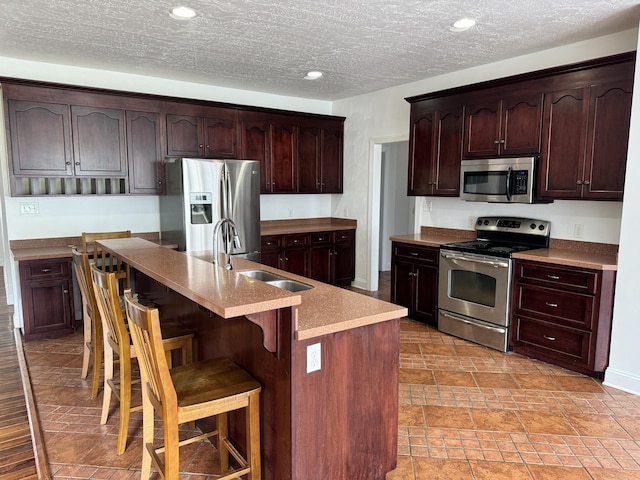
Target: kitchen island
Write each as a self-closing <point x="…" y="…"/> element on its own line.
<point x="338" y="422"/>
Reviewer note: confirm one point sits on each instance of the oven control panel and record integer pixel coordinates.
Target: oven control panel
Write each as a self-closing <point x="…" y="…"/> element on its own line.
<point x="528" y="226"/>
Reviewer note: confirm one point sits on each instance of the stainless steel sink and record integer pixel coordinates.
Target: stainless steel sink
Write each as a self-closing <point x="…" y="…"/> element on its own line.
<point x="261" y="275"/>
<point x="276" y="280"/>
<point x="290" y="285"/>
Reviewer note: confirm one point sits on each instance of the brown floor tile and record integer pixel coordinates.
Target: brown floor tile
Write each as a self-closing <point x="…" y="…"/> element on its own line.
<point x="454" y="379"/>
<point x="495" y="380"/>
<point x="473" y="351"/>
<point x="403" y="471"/>
<point x="496" y="420"/>
<point x="410" y="348"/>
<point x="578" y="384"/>
<point x="408" y="325"/>
<point x="448" y="417"/>
<point x="536" y="382"/>
<point x="546" y="423"/>
<point x="411" y="416"/>
<point x="612" y="474"/>
<point x="498" y="471"/>
<point x="543" y="472"/>
<point x="439" y="469"/>
<point x="435" y="349"/>
<point x="589" y="425"/>
<point x="70" y="447"/>
<point x="416" y="376"/>
<point x="631" y="425"/>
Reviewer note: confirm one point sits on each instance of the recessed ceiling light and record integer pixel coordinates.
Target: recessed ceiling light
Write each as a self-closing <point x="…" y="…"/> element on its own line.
<point x="313" y="75"/>
<point x="462" y="25"/>
<point x="183" y="13"/>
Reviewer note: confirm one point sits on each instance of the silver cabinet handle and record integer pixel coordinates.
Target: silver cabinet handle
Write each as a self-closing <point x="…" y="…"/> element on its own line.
<point x="414" y="254"/>
<point x="551" y="339"/>
<point x="554" y="305"/>
<point x="554" y="277"/>
<point x="45" y="270"/>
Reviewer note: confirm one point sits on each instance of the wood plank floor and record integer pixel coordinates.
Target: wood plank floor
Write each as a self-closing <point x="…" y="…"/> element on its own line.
<point x="17" y="456"/>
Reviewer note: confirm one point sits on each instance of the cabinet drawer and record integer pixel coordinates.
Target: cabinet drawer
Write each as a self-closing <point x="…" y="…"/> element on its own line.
<point x="321" y="237"/>
<point x="561" y="277"/>
<point x="270" y="242"/>
<point x="345" y="236"/>
<point x="43" y="269"/>
<point x="295" y="240"/>
<point x="552" y="340"/>
<point x="414" y="252"/>
<point x="569" y="308"/>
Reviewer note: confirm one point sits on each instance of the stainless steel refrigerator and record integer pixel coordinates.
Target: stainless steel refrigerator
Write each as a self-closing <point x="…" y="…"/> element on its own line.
<point x="201" y="191"/>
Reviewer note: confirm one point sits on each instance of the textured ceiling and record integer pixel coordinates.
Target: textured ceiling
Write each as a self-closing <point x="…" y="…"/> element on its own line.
<point x="268" y="46"/>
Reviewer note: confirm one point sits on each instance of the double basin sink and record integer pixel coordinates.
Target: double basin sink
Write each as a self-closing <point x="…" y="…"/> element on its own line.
<point x="276" y="280"/>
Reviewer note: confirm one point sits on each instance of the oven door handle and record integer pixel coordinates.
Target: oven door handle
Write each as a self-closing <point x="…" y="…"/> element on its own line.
<point x="468" y="322"/>
<point x="493" y="263"/>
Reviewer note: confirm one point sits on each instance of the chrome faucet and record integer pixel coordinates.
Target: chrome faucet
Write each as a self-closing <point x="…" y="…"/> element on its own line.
<point x="236" y="241"/>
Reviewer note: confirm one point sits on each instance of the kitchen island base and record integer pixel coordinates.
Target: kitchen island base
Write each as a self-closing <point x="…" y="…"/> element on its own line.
<point x="339" y="422"/>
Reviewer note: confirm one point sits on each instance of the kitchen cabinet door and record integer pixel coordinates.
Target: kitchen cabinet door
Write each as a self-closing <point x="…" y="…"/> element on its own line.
<point x="296" y="260"/>
<point x="508" y="127"/>
<point x="270" y="250"/>
<point x="344" y="258"/>
<point x="283" y="158"/>
<point x="184" y="136"/>
<point x="331" y="160"/>
<point x="256" y="145"/>
<point x="144" y="152"/>
<point x="220" y="133"/>
<point x="425" y="304"/>
<point x="40" y="136"/>
<point x="308" y="159"/>
<point x="402" y="283"/>
<point x="607" y="140"/>
<point x="98" y="141"/>
<point x="564" y="136"/>
<point x="435" y="150"/>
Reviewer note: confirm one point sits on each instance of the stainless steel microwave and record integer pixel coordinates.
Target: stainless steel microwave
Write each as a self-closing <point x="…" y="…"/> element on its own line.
<point x="499" y="180"/>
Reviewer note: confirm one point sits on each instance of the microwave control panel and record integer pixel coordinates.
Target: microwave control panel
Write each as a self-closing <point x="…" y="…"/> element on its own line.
<point x="520" y="179"/>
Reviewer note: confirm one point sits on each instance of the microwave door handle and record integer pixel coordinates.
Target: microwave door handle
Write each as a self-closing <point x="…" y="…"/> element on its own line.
<point x="509" y="184"/>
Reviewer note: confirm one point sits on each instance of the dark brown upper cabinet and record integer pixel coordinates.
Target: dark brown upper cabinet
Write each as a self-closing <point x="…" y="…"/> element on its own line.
<point x="144" y="152"/>
<point x="204" y="132"/>
<point x="283" y="158"/>
<point x="331" y="146"/>
<point x="510" y="126"/>
<point x="40" y="137"/>
<point x="586" y="132"/>
<point x="435" y="149"/>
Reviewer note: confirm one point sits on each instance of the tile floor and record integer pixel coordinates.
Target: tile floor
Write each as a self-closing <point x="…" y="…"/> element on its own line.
<point x="466" y="412"/>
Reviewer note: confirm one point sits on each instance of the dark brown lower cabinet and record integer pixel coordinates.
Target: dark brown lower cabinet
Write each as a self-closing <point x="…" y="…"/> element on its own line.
<point x="47" y="297"/>
<point x="414" y="280"/>
<point x="562" y="315"/>
<point x="324" y="256"/>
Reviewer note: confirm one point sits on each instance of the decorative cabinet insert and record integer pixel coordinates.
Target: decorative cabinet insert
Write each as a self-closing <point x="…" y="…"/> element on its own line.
<point x="510" y="126"/>
<point x="562" y="315"/>
<point x="414" y="280"/>
<point x="324" y="256"/>
<point x="47" y="297"/>
<point x="435" y="149"/>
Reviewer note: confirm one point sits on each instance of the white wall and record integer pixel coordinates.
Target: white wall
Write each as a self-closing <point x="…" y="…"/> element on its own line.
<point x="624" y="361"/>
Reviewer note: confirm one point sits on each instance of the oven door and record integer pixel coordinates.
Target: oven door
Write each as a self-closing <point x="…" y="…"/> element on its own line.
<point x="476" y="286"/>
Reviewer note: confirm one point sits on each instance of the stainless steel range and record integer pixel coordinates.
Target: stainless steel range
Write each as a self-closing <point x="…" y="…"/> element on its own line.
<point x="474" y="291"/>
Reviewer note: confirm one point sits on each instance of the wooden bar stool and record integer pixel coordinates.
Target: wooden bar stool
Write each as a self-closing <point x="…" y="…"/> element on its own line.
<point x="92" y="326"/>
<point x="187" y="393"/>
<point x="117" y="341"/>
<point x="107" y="262"/>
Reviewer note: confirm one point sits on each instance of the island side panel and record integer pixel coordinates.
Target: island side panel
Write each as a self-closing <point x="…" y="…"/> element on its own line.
<point x="345" y="415"/>
<point x="242" y="341"/>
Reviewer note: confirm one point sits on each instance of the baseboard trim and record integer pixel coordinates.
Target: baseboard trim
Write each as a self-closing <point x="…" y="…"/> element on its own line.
<point x="622" y="381"/>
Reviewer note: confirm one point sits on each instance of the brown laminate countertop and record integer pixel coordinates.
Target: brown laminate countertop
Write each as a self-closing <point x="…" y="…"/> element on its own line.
<point x="561" y="252"/>
<point x="322" y="310"/>
<point x="305" y="225"/>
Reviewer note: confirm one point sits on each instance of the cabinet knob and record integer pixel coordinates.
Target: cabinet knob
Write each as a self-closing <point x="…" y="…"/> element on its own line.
<point x="551" y="339"/>
<point x="579" y="182"/>
<point x="496" y="142"/>
<point x="77" y="163"/>
<point x="68" y="163"/>
<point x="200" y="146"/>
<point x="503" y="141"/>
<point x="586" y="182"/>
<point x="208" y="147"/>
<point x="65" y="291"/>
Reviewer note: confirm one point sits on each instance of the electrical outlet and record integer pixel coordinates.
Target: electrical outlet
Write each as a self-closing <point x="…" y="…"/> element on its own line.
<point x="426" y="206"/>
<point x="29" y="209"/>
<point x="314" y="361"/>
<point x="578" y="230"/>
<point x="472" y="222"/>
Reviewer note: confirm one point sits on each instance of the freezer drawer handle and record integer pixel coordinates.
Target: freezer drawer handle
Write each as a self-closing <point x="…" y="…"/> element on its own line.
<point x="551" y="339"/>
<point x="554" y="305"/>
<point x="464" y="320"/>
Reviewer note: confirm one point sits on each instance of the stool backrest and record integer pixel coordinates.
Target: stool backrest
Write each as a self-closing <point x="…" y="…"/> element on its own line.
<point x="108" y="263"/>
<point x="106" y="292"/>
<point x="144" y="325"/>
<point x="83" y="275"/>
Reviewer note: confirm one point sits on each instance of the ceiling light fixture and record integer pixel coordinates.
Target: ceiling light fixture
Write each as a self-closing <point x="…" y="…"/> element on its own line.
<point x="462" y="25"/>
<point x="313" y="75"/>
<point x="183" y="13"/>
